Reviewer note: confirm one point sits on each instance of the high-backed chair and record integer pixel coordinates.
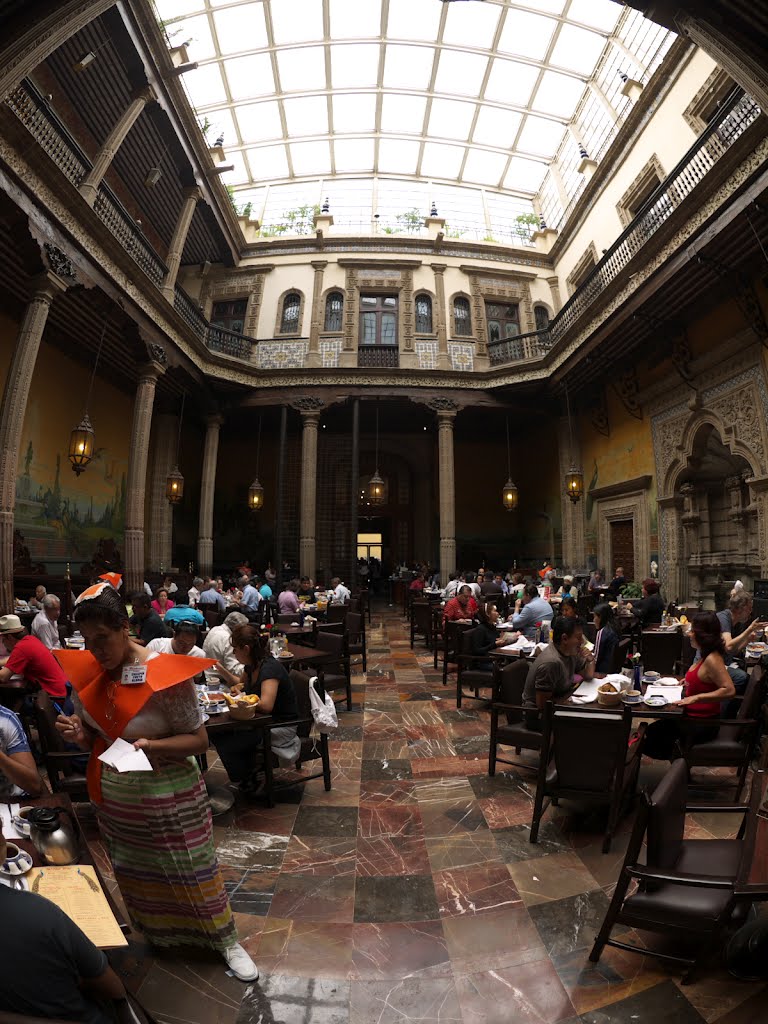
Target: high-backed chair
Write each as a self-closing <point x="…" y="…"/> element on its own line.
<point x="586" y="757"/>
<point x="471" y="672"/>
<point x="356" y="642"/>
<point x="661" y="651"/>
<point x="335" y="674"/>
<point x="286" y="618"/>
<point x="65" y="768"/>
<point x="451" y="633"/>
<point x="622" y="649"/>
<point x="689" y="889"/>
<point x="509" y="683"/>
<point x="421" y="621"/>
<point x="336" y="612"/>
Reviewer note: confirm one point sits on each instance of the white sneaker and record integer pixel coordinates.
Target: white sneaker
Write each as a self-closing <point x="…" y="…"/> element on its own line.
<point x="241" y="964"/>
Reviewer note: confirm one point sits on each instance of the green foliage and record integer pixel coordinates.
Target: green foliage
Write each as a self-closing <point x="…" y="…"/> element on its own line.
<point x="632" y="590"/>
<point x="453" y="232"/>
<point x="205" y="127"/>
<point x="410" y="220"/>
<point x="524" y="225"/>
<point x="295" y="222"/>
<point x="241" y="209"/>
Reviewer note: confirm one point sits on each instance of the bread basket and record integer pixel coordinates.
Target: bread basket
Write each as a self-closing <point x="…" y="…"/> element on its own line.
<point x="242" y="712"/>
<point x="609" y="698"/>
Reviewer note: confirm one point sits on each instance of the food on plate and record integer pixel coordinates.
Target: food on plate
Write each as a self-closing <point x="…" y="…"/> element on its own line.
<point x="241" y="698"/>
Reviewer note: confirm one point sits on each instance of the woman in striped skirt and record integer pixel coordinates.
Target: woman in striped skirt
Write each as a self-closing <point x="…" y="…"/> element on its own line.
<point x="156" y="825"/>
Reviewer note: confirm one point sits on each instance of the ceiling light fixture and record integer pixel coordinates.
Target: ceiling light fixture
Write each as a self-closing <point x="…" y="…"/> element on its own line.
<point x="82" y="438"/>
<point x="574" y="478"/>
<point x="377" y="488"/>
<point x="509" y="495"/>
<point x="174" y="482"/>
<point x="256" y="491"/>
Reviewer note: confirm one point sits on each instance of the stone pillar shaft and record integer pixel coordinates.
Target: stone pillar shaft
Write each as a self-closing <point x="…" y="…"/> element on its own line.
<point x="443" y="359"/>
<point x="165" y="430"/>
<point x="308" y="514"/>
<point x="316" y="321"/>
<point x="207" y="492"/>
<point x="137" y="476"/>
<point x="89" y="186"/>
<point x="15" y="395"/>
<point x="445" y="421"/>
<point x="180" y="232"/>
<point x="573" y="513"/>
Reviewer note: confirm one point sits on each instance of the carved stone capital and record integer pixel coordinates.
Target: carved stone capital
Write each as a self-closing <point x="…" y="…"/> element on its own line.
<point x="150" y="372"/>
<point x="215" y="419"/>
<point x="157" y="353"/>
<point x="307" y="404"/>
<point x="443" y="405"/>
<point x="59" y="263"/>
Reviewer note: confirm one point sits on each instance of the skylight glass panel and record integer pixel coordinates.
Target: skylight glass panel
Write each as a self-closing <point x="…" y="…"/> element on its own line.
<point x="540" y="137"/>
<point x="268" y="162"/>
<point x="238" y="176"/>
<point x="441" y="161"/>
<point x="408" y="67"/>
<point x="483" y="167"/>
<point x="413" y="19"/>
<point x="302" y="69"/>
<point x="307" y="115"/>
<point x="220" y="122"/>
<point x="510" y="82"/>
<point x="398" y="155"/>
<point x="402" y="113"/>
<point x="558" y="94"/>
<point x="600" y="14"/>
<point x="451" y="119"/>
<point x="311" y="157"/>
<point x="196" y="33"/>
<point x="577" y="50"/>
<point x="168" y="9"/>
<point x="249" y="76"/>
<point x="548" y="6"/>
<point x="355" y="65"/>
<point x="241" y="28"/>
<point x="496" y="127"/>
<point x="353" y="155"/>
<point x="526" y="34"/>
<point x="355" y="19"/>
<point x="471" y="24"/>
<point x="297" y="21"/>
<point x="204" y="86"/>
<point x="460" y="72"/>
<point x="259" y="121"/>
<point x="354" y="113"/>
<point x="525" y="175"/>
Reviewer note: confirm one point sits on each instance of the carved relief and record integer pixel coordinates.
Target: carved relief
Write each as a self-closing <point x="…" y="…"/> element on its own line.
<point x="59" y="262"/>
<point x="628" y="389"/>
<point x="350" y="309"/>
<point x="598" y="413"/>
<point x="406" y="311"/>
<point x="308" y="404"/>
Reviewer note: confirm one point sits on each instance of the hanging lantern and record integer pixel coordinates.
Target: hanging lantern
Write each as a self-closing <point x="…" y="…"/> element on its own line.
<point x="81" y="444"/>
<point x="509" y="496"/>
<point x="174" y="486"/>
<point x="377" y="490"/>
<point x="255" y="496"/>
<point x="574" y="484"/>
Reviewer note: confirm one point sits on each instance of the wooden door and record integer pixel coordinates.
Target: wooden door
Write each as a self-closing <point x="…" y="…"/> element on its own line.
<point x="622" y="549"/>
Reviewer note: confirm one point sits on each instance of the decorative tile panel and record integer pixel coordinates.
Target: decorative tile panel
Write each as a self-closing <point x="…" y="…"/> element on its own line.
<point x="281" y="355"/>
<point x="462" y="355"/>
<point x="330" y="352"/>
<point x="426" y="352"/>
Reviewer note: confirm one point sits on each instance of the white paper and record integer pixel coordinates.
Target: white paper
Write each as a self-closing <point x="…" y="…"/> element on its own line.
<point x="7" y="812"/>
<point x="587" y="688"/>
<point x="672" y="693"/>
<point x="521" y="644"/>
<point x="124" y="757"/>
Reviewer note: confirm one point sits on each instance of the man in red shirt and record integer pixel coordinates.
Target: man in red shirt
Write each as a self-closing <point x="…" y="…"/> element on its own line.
<point x="29" y="658"/>
<point x="461" y="608"/>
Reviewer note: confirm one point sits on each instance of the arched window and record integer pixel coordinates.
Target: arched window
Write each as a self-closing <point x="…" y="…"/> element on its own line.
<point x="334" y="307"/>
<point x="462" y="323"/>
<point x="423" y="314"/>
<point x="542" y="317"/>
<point x="289" y="322"/>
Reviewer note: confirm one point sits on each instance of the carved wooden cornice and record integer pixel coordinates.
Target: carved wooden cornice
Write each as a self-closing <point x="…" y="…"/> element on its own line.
<point x="638" y="483"/>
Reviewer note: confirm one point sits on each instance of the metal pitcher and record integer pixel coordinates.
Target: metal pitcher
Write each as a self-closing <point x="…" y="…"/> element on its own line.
<point x="54" y="838"/>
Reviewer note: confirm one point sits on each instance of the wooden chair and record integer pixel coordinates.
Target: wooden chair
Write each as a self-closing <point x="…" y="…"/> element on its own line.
<point x="688" y="888"/>
<point x="734" y="745"/>
<point x="421" y="621"/>
<point x="623" y="648"/>
<point x="211" y="614"/>
<point x="64" y="775"/>
<point x="356" y="642"/>
<point x="335" y="674"/>
<point x="312" y="748"/>
<point x="586" y="756"/>
<point x="365" y="603"/>
<point x="687" y="654"/>
<point x="509" y="683"/>
<point x="336" y="612"/>
<point x="337" y="628"/>
<point x="471" y="671"/>
<point x="661" y="651"/>
<point x="287" y="618"/>
<point x="451" y="633"/>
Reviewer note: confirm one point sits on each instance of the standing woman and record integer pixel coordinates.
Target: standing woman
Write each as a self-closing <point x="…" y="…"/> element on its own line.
<point x="707" y="683"/>
<point x="607" y="639"/>
<point x="162" y="602"/>
<point x="156" y="825"/>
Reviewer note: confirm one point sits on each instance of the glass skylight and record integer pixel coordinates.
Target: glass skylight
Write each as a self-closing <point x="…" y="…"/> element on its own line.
<point x="476" y="94"/>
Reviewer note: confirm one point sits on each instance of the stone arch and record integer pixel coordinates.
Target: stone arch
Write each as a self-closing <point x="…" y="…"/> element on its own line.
<point x="739" y="442"/>
<point x="279" y="314"/>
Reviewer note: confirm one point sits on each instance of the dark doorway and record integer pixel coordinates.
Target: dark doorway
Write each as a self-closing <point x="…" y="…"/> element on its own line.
<point x="622" y="548"/>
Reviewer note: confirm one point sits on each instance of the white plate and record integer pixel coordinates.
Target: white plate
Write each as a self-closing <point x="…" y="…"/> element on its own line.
<point x="656" y="701"/>
<point x="24" y="866"/>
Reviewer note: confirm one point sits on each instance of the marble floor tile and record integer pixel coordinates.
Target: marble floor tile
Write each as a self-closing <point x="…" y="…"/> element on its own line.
<point x="302" y="1000"/>
<point x="662" y="1004"/>
<point x="571" y="923"/>
<point x="197" y="991"/>
<point x="326" y="821"/>
<point x="392" y="855"/>
<point x="488" y="942"/>
<point x="386" y="768"/>
<point x="320" y="856"/>
<point x="440" y="790"/>
<point x="399" y="950"/>
<point x="526" y="994"/>
<point x="400" y="898"/>
<point x="240" y="848"/>
<point x="479" y="889"/>
<point x="314" y="898"/>
<point x="462" y="851"/>
<point x="514" y="843"/>
<point x="388" y="794"/>
<point x="383" y="820"/>
<point x="551" y="878"/>
<point x="250" y="891"/>
<point x="452" y="817"/>
<point x="412" y="1000"/>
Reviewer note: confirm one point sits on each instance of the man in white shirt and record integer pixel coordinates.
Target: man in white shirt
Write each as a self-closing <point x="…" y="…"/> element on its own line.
<point x="218" y="643"/>
<point x="194" y="592"/>
<point x="452" y="587"/>
<point x="183" y="641"/>
<point x="340" y="593"/>
<point x="45" y="623"/>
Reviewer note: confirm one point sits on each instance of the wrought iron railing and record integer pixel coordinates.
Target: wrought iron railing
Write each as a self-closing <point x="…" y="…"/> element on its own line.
<point x="378" y="355"/>
<point x="231" y="344"/>
<point x="110" y="210"/>
<point x="525" y="346"/>
<point x="190" y="312"/>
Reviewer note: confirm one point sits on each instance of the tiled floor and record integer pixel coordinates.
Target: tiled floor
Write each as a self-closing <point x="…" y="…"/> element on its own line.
<point x="410" y="892"/>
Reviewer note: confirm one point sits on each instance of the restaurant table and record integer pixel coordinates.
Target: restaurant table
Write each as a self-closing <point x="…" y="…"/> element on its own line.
<point x="62" y="800"/>
<point x="308" y="656"/>
<point x="293" y="630"/>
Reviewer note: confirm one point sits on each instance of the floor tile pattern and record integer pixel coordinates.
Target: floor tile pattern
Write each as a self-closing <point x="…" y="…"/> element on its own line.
<point x="410" y="892"/>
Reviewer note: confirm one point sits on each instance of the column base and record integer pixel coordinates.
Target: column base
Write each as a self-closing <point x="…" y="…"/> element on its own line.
<point x="312" y="359"/>
<point x="6" y="561"/>
<point x="88" y="192"/>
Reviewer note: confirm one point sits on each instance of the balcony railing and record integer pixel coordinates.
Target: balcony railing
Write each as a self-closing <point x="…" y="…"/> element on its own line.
<point x="524" y="346"/>
<point x="231" y="344"/>
<point x="378" y="355"/>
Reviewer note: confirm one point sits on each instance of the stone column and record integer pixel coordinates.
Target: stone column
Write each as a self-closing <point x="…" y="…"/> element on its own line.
<point x="137" y="476"/>
<point x="554" y="288"/>
<point x="573" y="513"/>
<point x="445" y="421"/>
<point x="14" y="406"/>
<point x="165" y="430"/>
<point x="89" y="186"/>
<point x="673" y="568"/>
<point x="191" y="197"/>
<point x="354" y="472"/>
<point x="316" y="323"/>
<point x="207" y="492"/>
<point x="308" y="514"/>
<point x="443" y="359"/>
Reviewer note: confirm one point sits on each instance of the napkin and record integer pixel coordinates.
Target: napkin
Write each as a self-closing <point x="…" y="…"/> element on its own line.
<point x="125" y="758"/>
<point x="7" y="813"/>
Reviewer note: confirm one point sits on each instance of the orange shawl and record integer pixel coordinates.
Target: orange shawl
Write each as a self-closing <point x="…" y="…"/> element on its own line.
<point x="90" y="681"/>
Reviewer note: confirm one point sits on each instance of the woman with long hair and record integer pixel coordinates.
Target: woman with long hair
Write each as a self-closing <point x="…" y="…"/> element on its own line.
<point x="268" y="678"/>
<point x="156" y="824"/>
<point x="707" y="684"/>
<point x="607" y="639"/>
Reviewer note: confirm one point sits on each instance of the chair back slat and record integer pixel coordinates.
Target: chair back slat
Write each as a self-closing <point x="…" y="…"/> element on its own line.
<point x="666" y="817"/>
<point x="660" y="651"/>
<point x="588" y="748"/>
<point x="511" y="685"/>
<point x="620" y="654"/>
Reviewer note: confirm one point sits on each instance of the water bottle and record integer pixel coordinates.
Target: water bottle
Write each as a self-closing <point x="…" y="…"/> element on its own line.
<point x="637" y="676"/>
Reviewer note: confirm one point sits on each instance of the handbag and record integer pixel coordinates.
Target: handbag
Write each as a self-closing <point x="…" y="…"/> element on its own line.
<point x="323" y="710"/>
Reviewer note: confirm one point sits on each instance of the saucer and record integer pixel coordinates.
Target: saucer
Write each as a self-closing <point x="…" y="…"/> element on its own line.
<point x="18" y="865"/>
<point x="656" y="700"/>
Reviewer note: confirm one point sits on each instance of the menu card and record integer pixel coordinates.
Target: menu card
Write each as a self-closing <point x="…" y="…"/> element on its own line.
<point x="76" y="890"/>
